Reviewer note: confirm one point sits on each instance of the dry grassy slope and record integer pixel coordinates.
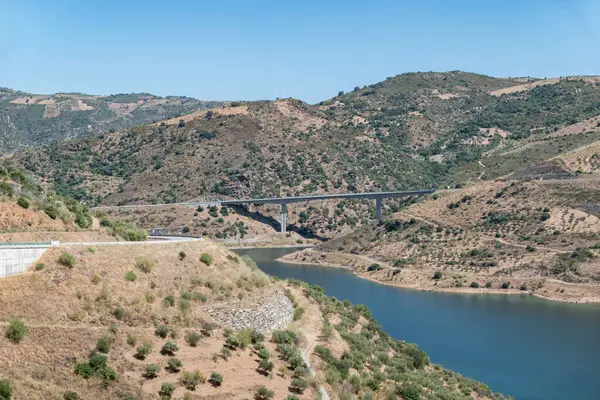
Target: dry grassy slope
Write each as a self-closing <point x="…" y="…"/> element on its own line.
<point x="528" y="234"/>
<point x="67" y="310"/>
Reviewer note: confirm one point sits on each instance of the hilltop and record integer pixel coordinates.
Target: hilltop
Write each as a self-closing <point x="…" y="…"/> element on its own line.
<point x="33" y="119"/>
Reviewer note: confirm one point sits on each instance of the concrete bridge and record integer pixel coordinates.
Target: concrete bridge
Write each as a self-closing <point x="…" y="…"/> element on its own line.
<point x="284" y="201"/>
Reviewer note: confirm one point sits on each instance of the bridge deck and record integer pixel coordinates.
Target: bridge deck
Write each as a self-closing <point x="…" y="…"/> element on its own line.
<point x="300" y="199"/>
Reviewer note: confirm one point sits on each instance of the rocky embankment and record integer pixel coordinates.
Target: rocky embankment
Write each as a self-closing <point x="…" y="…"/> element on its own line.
<point x="263" y="314"/>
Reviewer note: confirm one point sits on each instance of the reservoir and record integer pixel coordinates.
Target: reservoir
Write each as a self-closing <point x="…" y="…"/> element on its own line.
<point x="519" y="345"/>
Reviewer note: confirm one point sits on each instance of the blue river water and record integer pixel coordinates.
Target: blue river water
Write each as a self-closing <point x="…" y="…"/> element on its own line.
<point x="529" y="348"/>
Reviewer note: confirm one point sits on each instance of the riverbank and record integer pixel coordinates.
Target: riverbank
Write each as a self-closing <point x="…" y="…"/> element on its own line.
<point x="452" y="282"/>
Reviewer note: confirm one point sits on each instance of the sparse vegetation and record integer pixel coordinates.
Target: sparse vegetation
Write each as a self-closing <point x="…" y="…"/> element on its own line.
<point x="16" y="330"/>
<point x="67" y="259"/>
<point x="130" y="276"/>
<point x="206" y="258"/>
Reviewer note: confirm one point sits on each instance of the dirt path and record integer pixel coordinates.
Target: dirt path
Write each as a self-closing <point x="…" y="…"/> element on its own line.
<point x="305" y="356"/>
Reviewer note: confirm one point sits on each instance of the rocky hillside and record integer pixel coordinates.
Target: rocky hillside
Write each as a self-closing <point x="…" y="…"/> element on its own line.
<point x="539" y="237"/>
<point x="415" y="130"/>
<point x="31" y="120"/>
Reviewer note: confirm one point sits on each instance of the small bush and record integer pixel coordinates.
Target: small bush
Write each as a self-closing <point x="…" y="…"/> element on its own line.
<point x="169" y="301"/>
<point x="263" y="354"/>
<point x="174" y="365"/>
<point x="162" y="331"/>
<point x="373" y="267"/>
<point x="84" y="370"/>
<point x="474" y="285"/>
<point x="263" y="394"/>
<point x="281" y="337"/>
<point x="266" y="366"/>
<point x="437" y="275"/>
<point x="192" y="338"/>
<point x="206" y="258"/>
<point x="216" y="379"/>
<point x="130" y="276"/>
<point x="298" y="385"/>
<point x="39" y="266"/>
<point x="143" y="351"/>
<point x="207" y="328"/>
<point x="505" y="285"/>
<point x="523" y="287"/>
<point x="131" y="340"/>
<point x="488" y="285"/>
<point x="298" y="313"/>
<point x="169" y="349"/>
<point x="67" y="260"/>
<point x="166" y="390"/>
<point x="16" y="331"/>
<point x="95" y="279"/>
<point x="530" y="248"/>
<point x="191" y="379"/>
<point x="118" y="313"/>
<point x="144" y="265"/>
<point x="23" y="202"/>
<point x="103" y="345"/>
<point x="5" y="390"/>
<point x="97" y="361"/>
<point x="182" y="255"/>
<point x="151" y="371"/>
<point x="67" y="396"/>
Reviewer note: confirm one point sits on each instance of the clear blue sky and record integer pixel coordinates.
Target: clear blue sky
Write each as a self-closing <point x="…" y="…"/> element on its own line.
<point x="255" y="49"/>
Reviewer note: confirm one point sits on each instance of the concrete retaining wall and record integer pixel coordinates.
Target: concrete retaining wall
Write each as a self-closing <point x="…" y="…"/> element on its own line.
<point x="15" y="258"/>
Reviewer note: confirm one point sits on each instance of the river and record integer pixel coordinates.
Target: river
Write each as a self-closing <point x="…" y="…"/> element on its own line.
<point x="529" y="348"/>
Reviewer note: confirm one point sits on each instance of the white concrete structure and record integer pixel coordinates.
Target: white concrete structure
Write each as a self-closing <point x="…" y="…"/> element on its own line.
<point x="15" y="258"/>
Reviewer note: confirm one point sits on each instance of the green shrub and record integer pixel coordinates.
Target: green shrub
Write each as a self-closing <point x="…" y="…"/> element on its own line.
<point x="144" y="265"/>
<point x="373" y="267"/>
<point x="263" y="394"/>
<point x="95" y="279"/>
<point x="207" y="328"/>
<point x="266" y="366"/>
<point x="216" y="379"/>
<point x="206" y="258"/>
<point x="409" y="392"/>
<point x="84" y="370"/>
<point x="263" y="354"/>
<point x="191" y="379"/>
<point x="505" y="285"/>
<point x="169" y="301"/>
<point x="130" y="276"/>
<point x="166" y="390"/>
<point x="97" y="361"/>
<point x="280" y="337"/>
<point x="298" y="313"/>
<point x="182" y="255"/>
<point x="174" y="365"/>
<point x="298" y="385"/>
<point x="131" y="339"/>
<point x="488" y="285"/>
<point x="5" y="390"/>
<point x="103" y="345"/>
<point x="118" y="313"/>
<point x="23" y="202"/>
<point x="192" y="338"/>
<point x="437" y="275"/>
<point x="16" y="331"/>
<point x="39" y="266"/>
<point x="69" y="396"/>
<point x="67" y="260"/>
<point x="143" y="351"/>
<point x="474" y="285"/>
<point x="162" y="331"/>
<point x="169" y="349"/>
<point x="151" y="371"/>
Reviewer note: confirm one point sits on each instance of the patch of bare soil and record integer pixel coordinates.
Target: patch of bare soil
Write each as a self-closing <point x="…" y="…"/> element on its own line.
<point x="524" y="87"/>
<point x="303" y="119"/>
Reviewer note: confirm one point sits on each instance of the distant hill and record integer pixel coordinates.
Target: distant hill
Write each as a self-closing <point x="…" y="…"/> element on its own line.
<point x="30" y="119"/>
<point x="415" y="130"/>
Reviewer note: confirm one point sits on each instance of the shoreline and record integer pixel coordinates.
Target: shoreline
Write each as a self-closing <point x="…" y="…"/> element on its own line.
<point x="461" y="290"/>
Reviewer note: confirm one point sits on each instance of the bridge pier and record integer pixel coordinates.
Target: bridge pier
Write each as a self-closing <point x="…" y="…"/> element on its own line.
<point x="378" y="208"/>
<point x="283" y="217"/>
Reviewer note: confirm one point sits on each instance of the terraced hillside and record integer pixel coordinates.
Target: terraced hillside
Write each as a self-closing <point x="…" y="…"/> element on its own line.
<point x="31" y="120"/>
<point x="541" y="238"/>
